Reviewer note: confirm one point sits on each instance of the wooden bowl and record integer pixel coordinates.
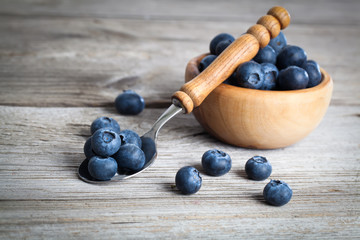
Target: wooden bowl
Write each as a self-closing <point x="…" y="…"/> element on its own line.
<point x="261" y="119"/>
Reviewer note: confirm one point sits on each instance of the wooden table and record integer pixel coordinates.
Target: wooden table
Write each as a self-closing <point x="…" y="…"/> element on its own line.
<point x="62" y="63"/>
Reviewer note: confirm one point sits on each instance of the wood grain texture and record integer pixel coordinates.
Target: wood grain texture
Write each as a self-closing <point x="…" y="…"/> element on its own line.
<point x="62" y="63"/>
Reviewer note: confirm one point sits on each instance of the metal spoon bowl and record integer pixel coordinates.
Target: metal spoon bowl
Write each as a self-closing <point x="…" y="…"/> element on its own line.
<point x="148" y="147"/>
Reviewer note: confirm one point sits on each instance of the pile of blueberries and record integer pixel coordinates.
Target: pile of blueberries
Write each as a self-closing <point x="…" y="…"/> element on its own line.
<point x="217" y="163"/>
<point x="278" y="66"/>
<point x="110" y="150"/>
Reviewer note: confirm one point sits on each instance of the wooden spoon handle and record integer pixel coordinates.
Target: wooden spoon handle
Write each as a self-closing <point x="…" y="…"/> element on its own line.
<point x="243" y="49"/>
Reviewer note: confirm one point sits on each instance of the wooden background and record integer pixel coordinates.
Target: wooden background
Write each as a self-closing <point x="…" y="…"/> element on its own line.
<point x="62" y="63"/>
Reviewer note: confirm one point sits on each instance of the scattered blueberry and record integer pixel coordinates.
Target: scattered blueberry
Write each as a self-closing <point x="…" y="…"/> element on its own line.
<point x="277" y="193"/>
<point x="250" y="75"/>
<point x="216" y="162"/>
<point x="278" y="43"/>
<point x="270" y="78"/>
<point x="218" y="38"/>
<point x="258" y="168"/>
<point x="105" y="142"/>
<point x="188" y="180"/>
<point x="313" y="70"/>
<point x="102" y="169"/>
<point x="206" y="61"/>
<point x="104" y="122"/>
<point x="222" y="46"/>
<point x="129" y="103"/>
<point x="129" y="136"/>
<point x="265" y="55"/>
<point x="291" y="56"/>
<point x="88" y="149"/>
<point x="293" y="78"/>
<point x="130" y="158"/>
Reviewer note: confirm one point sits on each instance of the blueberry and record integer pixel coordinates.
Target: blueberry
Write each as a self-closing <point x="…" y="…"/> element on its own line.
<point x="313" y="70"/>
<point x="218" y="38"/>
<point x="293" y="78"/>
<point x="129" y="103"/>
<point x="266" y="55"/>
<point x="216" y="162"/>
<point x="258" y="168"/>
<point x="104" y="122"/>
<point x="88" y="149"/>
<point x="277" y="193"/>
<point x="206" y="61"/>
<point x="270" y="78"/>
<point x="188" y="180"/>
<point x="102" y="168"/>
<point x="231" y="80"/>
<point x="105" y="142"/>
<point x="291" y="56"/>
<point x="129" y="136"/>
<point x="149" y="148"/>
<point x="250" y="75"/>
<point x="222" y="46"/>
<point x="130" y="158"/>
<point x="278" y="43"/>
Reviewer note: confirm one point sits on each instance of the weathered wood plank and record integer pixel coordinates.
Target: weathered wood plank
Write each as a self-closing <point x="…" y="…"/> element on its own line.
<point x="305" y="12"/>
<point x="90" y="61"/>
<point x="41" y="195"/>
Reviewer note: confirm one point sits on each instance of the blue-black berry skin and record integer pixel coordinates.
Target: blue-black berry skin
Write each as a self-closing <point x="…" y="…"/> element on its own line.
<point x="258" y="168"/>
<point x="222" y="46"/>
<point x="278" y="43"/>
<point x="313" y="70"/>
<point x="206" y="61"/>
<point x="250" y="75"/>
<point x="105" y="142"/>
<point x="216" y="162"/>
<point x="130" y="158"/>
<point x="129" y="136"/>
<point x="266" y="55"/>
<point x="104" y="122"/>
<point x="217" y="39"/>
<point x="293" y="78"/>
<point x="277" y="193"/>
<point x="129" y="103"/>
<point x="89" y="153"/>
<point x="188" y="180"/>
<point x="102" y="169"/>
<point x="271" y="74"/>
<point x="291" y="56"/>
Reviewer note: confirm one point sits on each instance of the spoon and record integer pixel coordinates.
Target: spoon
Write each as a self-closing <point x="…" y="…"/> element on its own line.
<point x="193" y="93"/>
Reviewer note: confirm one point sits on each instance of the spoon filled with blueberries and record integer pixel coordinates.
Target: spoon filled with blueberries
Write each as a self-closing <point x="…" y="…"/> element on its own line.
<point x="114" y="155"/>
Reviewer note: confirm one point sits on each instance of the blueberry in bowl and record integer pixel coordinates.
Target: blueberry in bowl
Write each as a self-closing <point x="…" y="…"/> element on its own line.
<point x="250" y="75"/>
<point x="219" y="38"/>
